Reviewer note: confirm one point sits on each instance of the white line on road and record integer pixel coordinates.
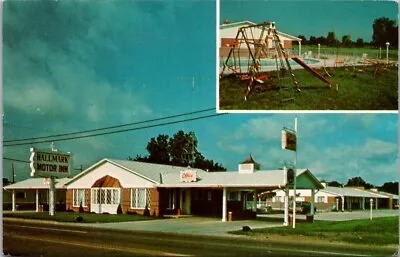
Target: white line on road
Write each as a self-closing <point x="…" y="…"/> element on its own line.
<point x="52" y="229"/>
<point x="103" y="247"/>
<point x="333" y="253"/>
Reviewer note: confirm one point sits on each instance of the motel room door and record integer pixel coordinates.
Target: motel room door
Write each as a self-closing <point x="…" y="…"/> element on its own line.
<point x="185" y="200"/>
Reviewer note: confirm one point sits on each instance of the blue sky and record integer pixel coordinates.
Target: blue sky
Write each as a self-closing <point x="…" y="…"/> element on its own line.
<point x="313" y="18"/>
<point x="71" y="66"/>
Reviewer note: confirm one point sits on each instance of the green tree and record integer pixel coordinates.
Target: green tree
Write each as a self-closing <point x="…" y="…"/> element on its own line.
<point x="384" y="30"/>
<point x="303" y="39"/>
<point x="202" y="163"/>
<point x="334" y="184"/>
<point x="331" y="39"/>
<point x="6" y="182"/>
<point x="359" y="182"/>
<point x="158" y="149"/>
<point x="321" y="40"/>
<point x="139" y="158"/>
<point x="180" y="150"/>
<point x="346" y="41"/>
<point x="313" y="40"/>
<point x="390" y="187"/>
<point x="360" y="42"/>
<point x="183" y="148"/>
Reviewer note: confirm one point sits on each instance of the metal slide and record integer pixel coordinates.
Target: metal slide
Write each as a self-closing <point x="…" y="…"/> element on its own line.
<point x="314" y="72"/>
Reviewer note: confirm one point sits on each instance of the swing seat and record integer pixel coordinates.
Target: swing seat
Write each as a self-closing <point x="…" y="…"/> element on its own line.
<point x="339" y="61"/>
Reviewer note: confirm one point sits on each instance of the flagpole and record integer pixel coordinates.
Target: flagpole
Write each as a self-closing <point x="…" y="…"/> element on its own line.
<point x="295" y="175"/>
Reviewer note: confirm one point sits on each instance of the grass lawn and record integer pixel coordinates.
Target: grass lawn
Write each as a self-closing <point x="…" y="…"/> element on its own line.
<point x="357" y="91"/>
<point x="379" y="231"/>
<point x="71" y="217"/>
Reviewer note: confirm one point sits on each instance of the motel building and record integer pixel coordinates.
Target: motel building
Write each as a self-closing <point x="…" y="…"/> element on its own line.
<point x="113" y="186"/>
<point x="228" y="32"/>
<point x="339" y="198"/>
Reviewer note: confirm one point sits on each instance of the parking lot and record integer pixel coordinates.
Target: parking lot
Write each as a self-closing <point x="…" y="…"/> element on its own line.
<point x="214" y="226"/>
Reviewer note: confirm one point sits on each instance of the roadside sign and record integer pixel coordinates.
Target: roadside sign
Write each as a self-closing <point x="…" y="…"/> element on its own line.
<point x="49" y="163"/>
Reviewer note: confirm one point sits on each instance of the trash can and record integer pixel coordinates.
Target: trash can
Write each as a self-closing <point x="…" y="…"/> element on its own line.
<point x="230" y="216"/>
<point x="310" y="218"/>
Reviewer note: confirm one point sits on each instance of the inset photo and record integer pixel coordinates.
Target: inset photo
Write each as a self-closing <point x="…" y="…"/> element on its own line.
<point x="307" y="55"/>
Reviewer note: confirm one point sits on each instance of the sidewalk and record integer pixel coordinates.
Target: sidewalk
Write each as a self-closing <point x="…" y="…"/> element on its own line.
<point x="189" y="225"/>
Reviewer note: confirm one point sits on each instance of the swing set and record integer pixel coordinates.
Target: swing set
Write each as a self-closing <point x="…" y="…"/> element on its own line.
<point x="262" y="44"/>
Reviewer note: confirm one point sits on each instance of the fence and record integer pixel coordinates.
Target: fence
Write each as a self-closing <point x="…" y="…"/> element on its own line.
<point x="349" y="54"/>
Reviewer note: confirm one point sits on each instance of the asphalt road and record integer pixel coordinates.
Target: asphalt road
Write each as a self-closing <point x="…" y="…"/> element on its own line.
<point x="30" y="239"/>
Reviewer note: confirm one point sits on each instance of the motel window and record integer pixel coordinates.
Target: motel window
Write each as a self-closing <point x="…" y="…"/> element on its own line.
<point x="79" y="197"/>
<point x="196" y="194"/>
<point x="234" y="196"/>
<point x="105" y="196"/>
<point x="20" y="195"/>
<point x="140" y="198"/>
<point x="321" y="199"/>
<point x="209" y="195"/>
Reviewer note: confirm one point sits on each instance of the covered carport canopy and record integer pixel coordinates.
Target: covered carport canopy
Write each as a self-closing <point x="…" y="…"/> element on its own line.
<point x="349" y="192"/>
<point x="258" y="180"/>
<point x="33" y="184"/>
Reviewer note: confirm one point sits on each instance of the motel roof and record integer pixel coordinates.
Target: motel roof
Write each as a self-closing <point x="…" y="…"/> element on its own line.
<point x="150" y="171"/>
<point x="168" y="176"/>
<point x="249" y="23"/>
<point x="258" y="179"/>
<point x="352" y="192"/>
<point x="37" y="183"/>
<point x="393" y="196"/>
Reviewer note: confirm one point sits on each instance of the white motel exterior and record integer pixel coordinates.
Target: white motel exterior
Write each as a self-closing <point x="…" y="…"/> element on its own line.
<point x="228" y="32"/>
<point x="122" y="186"/>
<point x="138" y="187"/>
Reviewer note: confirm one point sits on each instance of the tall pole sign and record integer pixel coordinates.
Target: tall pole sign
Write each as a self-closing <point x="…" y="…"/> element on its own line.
<point x="289" y="142"/>
<point x="50" y="164"/>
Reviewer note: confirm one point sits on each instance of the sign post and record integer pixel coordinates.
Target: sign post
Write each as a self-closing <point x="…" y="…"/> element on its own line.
<point x="295" y="175"/>
<point x="51" y="164"/>
<point x="289" y="142"/>
<point x="370" y="208"/>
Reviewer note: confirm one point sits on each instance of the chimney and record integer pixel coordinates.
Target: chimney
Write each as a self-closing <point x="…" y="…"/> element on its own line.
<point x="248" y="166"/>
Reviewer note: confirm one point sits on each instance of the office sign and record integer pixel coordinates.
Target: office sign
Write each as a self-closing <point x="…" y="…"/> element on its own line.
<point x="188" y="176"/>
<point x="49" y="163"/>
<point x="289" y="140"/>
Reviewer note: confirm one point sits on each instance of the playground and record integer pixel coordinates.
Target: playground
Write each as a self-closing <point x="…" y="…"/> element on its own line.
<point x="258" y="73"/>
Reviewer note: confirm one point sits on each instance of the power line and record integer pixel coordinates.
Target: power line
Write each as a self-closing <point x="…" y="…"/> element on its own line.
<point x="15" y="160"/>
<point x="117" y="131"/>
<point x="105" y="128"/>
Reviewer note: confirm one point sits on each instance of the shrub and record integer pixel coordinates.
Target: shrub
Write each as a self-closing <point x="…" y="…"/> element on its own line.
<point x="119" y="209"/>
<point x="246" y="229"/>
<point x="81" y="209"/>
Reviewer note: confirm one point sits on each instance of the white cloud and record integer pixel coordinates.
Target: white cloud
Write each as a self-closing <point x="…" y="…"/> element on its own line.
<point x="36" y="98"/>
<point x="375" y="147"/>
<point x="236" y="148"/>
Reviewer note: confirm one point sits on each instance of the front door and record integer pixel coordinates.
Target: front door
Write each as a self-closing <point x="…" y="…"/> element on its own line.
<point x="105" y="200"/>
<point x="185" y="201"/>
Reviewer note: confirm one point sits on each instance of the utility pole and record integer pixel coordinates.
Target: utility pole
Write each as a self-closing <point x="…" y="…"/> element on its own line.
<point x="192" y="78"/>
<point x="13" y="173"/>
